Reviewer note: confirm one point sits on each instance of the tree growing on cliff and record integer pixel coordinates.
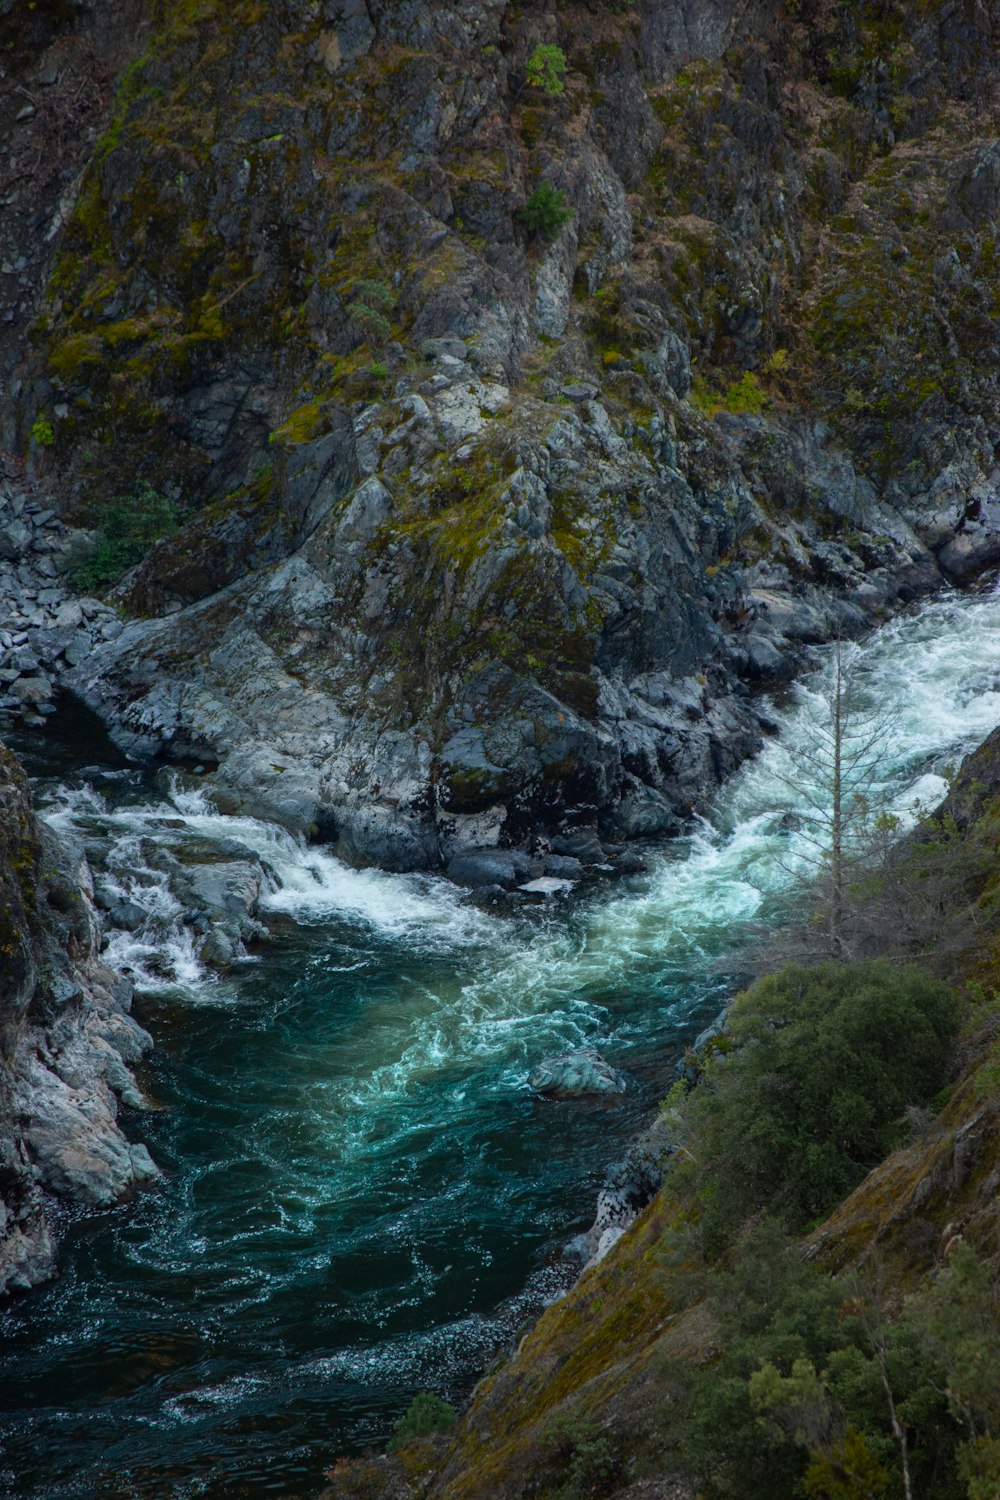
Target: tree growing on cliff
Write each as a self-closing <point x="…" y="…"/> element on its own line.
<point x="546" y="211"/>
<point x="546" y="69"/>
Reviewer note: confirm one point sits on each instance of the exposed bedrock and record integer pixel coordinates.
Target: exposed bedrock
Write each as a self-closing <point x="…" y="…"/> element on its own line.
<point x="67" y="1042"/>
<point x="489" y="534"/>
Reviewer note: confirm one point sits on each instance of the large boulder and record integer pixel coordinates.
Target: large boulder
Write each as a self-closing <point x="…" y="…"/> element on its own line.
<point x="575" y="1074"/>
<point x="478" y="868"/>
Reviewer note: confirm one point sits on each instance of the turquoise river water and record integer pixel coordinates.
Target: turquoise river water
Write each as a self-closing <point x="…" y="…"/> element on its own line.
<point x="360" y="1197"/>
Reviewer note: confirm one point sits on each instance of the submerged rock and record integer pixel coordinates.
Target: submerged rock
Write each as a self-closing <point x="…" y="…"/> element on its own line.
<point x="481" y="868"/>
<point x="575" y="1074"/>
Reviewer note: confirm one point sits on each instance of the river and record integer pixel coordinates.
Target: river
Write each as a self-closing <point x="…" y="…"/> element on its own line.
<point x="360" y="1196"/>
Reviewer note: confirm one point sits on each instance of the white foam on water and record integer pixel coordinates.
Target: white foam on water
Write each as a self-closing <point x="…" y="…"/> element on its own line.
<point x="306" y="883"/>
<point x="372" y="1136"/>
<point x="509" y="990"/>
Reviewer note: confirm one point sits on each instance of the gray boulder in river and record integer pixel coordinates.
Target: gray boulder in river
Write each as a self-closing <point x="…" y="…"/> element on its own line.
<point x="574" y="1074"/>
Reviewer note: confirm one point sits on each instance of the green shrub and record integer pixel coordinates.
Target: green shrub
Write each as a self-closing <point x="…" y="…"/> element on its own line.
<point x="585" y="1456"/>
<point x="546" y="211"/>
<point x="799" y="1386"/>
<point x="746" y="395"/>
<point x="957" y="1324"/>
<point x="823" y="1062"/>
<point x="546" y="69"/>
<point x="42" y="432"/>
<point x="371" y="301"/>
<point x="427" y="1413"/>
<point x="127" y="528"/>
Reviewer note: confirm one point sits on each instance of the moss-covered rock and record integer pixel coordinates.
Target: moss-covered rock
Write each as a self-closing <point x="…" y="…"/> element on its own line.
<point x="419" y="451"/>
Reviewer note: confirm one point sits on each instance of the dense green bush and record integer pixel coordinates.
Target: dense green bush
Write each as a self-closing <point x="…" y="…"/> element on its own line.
<point x="427" y="1413"/>
<point x="127" y="527"/>
<point x="819" y="1066"/>
<point x="584" y="1458"/>
<point x="546" y="69"/>
<point x="796" y="1402"/>
<point x="546" y="211"/>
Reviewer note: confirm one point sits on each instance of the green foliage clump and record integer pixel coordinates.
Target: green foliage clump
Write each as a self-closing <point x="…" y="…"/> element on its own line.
<point x="586" y="1456"/>
<point x="821" y="1064"/>
<point x="546" y="211"/>
<point x="42" y="432"/>
<point x="546" y="69"/>
<point x="958" y="1325"/>
<point x="798" y="1403"/>
<point x="128" y="527"/>
<point x="370" y="303"/>
<point x="426" y="1414"/>
<point x="746" y="395"/>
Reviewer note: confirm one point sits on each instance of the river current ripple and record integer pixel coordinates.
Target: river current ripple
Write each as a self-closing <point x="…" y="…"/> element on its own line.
<point x="360" y="1197"/>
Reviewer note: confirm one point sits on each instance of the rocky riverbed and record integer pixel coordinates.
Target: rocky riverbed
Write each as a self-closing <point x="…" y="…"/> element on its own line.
<point x="45" y="628"/>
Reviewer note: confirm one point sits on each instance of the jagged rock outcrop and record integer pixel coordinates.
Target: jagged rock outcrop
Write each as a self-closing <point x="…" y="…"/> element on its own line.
<point x="44" y="628"/>
<point x="489" y="534"/>
<point x="66" y="1042"/>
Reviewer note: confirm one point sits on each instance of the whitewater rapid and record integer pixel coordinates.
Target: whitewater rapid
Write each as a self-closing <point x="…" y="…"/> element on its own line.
<point x="360" y="1196"/>
<point x="935" y="673"/>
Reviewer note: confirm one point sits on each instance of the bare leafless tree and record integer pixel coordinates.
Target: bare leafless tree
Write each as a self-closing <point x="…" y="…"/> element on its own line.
<point x="837" y="784"/>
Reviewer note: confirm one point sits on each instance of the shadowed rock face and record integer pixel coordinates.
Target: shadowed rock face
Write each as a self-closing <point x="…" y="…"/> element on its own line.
<point x="66" y="1037"/>
<point x="487" y="534"/>
<point x="58" y="63"/>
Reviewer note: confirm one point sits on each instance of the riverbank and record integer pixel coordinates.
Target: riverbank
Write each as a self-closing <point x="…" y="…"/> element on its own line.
<point x="67" y="1043"/>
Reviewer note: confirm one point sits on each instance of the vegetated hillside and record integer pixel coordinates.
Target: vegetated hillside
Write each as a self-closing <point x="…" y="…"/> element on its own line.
<point x="66" y="1036"/>
<point x="520" y="407"/>
<point x="709" y="1354"/>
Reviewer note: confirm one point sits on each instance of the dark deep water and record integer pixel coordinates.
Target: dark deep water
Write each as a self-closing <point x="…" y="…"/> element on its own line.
<point x="360" y="1199"/>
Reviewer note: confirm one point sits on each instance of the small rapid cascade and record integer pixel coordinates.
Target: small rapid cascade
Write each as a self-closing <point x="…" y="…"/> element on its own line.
<point x="361" y="1198"/>
<point x="144" y="848"/>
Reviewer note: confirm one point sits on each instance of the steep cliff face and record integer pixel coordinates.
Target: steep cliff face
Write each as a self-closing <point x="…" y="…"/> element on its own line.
<point x="65" y="1039"/>
<point x="507" y="521"/>
<point x="58" y="63"/>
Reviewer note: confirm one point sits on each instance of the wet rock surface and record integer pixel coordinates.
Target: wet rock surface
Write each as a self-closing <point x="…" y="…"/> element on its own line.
<point x="67" y="1043"/>
<point x="629" y="1186"/>
<point x="574" y="1075"/>
<point x="172" y="890"/>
